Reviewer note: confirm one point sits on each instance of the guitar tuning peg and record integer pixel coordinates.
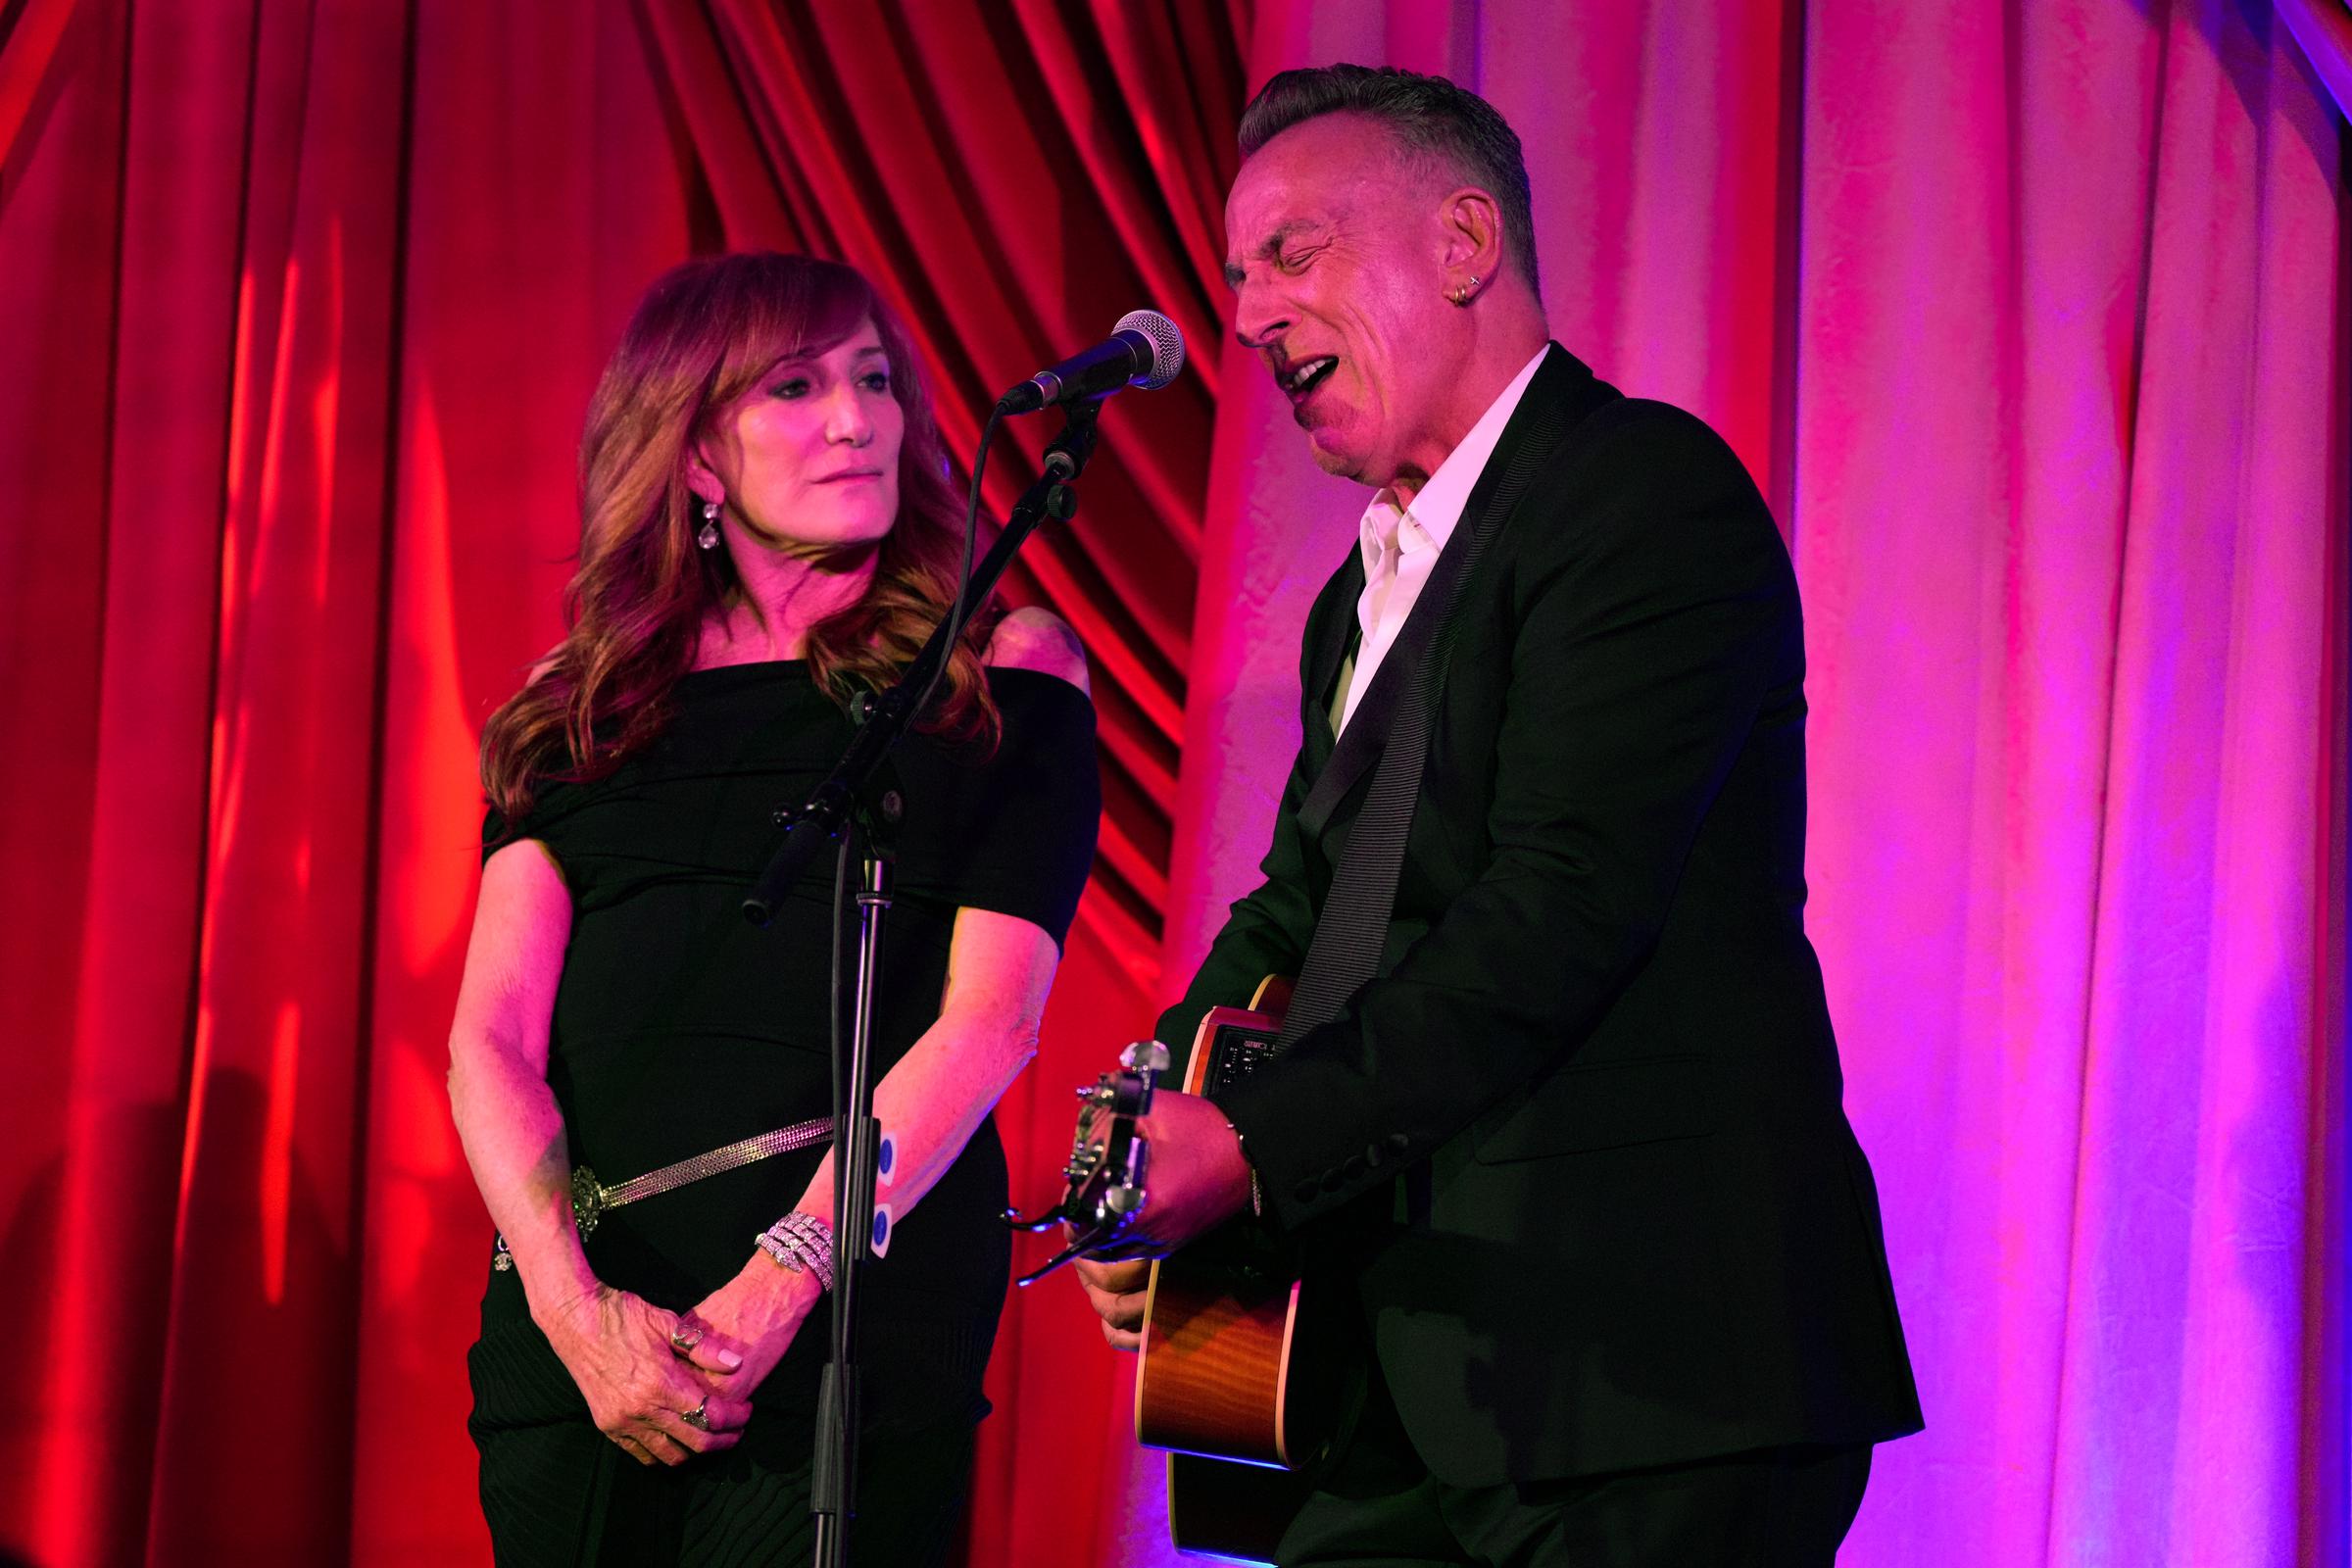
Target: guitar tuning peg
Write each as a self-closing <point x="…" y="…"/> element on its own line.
<point x="1145" y="1056"/>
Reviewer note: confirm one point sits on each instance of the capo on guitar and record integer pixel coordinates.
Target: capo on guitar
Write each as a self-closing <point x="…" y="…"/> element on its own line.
<point x="1104" y="1177"/>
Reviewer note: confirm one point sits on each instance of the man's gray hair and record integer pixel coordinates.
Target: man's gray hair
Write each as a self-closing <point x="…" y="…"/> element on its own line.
<point x="1428" y="114"/>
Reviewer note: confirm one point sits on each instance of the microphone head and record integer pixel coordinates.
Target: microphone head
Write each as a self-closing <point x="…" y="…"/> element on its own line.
<point x="1167" y="347"/>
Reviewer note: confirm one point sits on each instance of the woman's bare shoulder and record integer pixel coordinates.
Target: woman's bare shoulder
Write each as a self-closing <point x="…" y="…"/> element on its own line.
<point x="1034" y="638"/>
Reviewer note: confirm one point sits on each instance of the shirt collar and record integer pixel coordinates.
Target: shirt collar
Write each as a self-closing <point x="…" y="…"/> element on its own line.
<point x="1438" y="506"/>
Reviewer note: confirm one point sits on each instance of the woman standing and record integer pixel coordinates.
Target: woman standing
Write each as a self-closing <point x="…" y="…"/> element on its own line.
<point x="769" y="528"/>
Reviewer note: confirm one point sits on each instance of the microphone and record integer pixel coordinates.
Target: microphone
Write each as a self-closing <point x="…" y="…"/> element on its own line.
<point x="1144" y="350"/>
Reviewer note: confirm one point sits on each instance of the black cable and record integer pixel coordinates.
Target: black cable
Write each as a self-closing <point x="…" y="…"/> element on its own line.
<point x="963" y="573"/>
<point x="841" y="863"/>
<point x="841" y="894"/>
<point x="825" y="1460"/>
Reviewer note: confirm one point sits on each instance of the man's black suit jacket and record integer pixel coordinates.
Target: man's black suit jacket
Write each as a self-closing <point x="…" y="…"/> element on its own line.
<point x="1579" y="1150"/>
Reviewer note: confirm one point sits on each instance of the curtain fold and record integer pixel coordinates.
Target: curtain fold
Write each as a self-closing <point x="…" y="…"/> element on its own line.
<point x="31" y="75"/>
<point x="2324" y="27"/>
<point x="211" y="975"/>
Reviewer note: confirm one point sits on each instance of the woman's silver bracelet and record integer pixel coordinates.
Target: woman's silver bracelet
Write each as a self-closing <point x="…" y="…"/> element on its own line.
<point x="802" y="1242"/>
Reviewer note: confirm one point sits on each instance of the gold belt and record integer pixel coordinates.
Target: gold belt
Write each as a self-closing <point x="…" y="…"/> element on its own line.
<point x="590" y="1198"/>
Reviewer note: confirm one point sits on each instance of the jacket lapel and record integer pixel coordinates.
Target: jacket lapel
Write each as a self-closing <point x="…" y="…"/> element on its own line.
<point x="1562" y="382"/>
<point x="1334" y="636"/>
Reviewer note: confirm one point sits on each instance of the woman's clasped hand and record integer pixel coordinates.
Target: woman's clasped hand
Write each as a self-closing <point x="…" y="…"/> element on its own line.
<point x="646" y="1372"/>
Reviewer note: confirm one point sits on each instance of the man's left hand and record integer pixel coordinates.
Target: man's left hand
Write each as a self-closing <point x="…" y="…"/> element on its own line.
<point x="1196" y="1179"/>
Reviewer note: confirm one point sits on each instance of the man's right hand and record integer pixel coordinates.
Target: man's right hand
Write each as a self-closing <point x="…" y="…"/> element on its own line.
<point x="1115" y="1290"/>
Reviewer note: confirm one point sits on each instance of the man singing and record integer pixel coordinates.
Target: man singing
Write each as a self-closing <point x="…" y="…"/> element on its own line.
<point x="1563" y="1119"/>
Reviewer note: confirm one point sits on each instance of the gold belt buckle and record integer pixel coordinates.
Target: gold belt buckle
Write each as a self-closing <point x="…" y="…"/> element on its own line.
<point x="587" y="1200"/>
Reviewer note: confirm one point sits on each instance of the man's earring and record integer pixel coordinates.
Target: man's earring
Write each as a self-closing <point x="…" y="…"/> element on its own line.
<point x="1461" y="291"/>
<point x="709" y="537"/>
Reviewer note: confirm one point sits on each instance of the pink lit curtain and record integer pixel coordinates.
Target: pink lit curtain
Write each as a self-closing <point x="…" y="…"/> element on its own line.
<point x="2030" y="319"/>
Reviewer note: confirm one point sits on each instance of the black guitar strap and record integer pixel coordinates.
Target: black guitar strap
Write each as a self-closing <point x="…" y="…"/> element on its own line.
<point x="1352" y="927"/>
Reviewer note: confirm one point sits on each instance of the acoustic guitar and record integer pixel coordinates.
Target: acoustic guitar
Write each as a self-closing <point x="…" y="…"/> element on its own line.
<point x="1238" y="1377"/>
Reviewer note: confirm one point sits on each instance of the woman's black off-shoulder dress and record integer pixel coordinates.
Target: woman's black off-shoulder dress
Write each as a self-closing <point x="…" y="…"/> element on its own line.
<point x="679" y="1027"/>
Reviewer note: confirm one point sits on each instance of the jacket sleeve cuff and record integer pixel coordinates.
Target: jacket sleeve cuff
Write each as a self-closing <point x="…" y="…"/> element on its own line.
<point x="1309" y="1161"/>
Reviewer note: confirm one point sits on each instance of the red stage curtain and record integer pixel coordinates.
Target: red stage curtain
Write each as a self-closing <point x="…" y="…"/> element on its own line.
<point x="304" y="303"/>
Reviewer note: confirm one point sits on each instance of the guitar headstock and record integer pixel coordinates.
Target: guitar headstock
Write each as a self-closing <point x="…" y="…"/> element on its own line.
<point x="1103" y="1181"/>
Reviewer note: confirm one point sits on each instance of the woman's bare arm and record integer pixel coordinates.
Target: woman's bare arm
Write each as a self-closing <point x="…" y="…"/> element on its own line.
<point x="617" y="1346"/>
<point x="999" y="968"/>
<point x="505" y="1113"/>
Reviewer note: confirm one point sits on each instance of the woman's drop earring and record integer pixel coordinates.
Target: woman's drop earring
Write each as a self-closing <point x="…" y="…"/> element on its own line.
<point x="709" y="537"/>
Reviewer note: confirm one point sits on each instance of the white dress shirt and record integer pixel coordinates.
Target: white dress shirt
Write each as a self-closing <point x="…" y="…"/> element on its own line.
<point x="1400" y="544"/>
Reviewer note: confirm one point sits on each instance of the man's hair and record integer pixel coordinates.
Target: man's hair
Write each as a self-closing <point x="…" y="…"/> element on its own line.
<point x="1430" y="114"/>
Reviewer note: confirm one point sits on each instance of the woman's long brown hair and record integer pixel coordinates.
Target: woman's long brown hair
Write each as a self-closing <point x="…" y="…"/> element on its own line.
<point x="706" y="334"/>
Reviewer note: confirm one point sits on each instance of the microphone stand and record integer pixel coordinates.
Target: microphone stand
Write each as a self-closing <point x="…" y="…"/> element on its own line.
<point x="843" y="810"/>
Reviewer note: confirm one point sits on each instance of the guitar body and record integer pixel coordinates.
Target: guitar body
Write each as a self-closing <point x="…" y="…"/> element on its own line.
<point x="1235" y="1377"/>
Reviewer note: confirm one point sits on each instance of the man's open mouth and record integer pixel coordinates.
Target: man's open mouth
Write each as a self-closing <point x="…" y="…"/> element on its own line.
<point x="1302" y="378"/>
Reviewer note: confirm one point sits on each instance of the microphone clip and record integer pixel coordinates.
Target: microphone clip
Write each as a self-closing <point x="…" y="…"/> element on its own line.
<point x="1067" y="454"/>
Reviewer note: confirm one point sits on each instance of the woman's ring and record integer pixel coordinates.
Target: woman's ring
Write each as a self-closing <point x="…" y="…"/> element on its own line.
<point x="694" y="1417"/>
<point x="685" y="1337"/>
